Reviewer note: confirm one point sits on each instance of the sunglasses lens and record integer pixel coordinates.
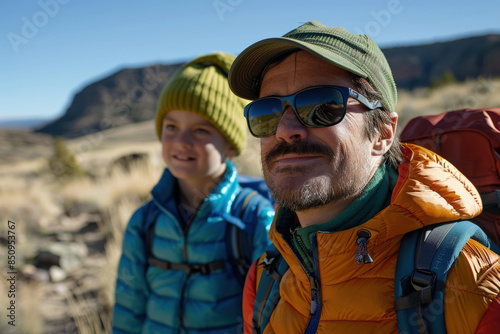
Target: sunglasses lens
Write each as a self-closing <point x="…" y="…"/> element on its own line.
<point x="320" y="107"/>
<point x="264" y="116"/>
<point x="316" y="107"/>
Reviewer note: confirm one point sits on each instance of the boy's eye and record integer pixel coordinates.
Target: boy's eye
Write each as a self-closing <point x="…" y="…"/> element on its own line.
<point x="201" y="131"/>
<point x="170" y="127"/>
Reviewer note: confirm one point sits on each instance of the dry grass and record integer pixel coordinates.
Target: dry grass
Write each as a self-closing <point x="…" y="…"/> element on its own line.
<point x="104" y="192"/>
<point x="119" y="195"/>
<point x="249" y="162"/>
<point x="119" y="215"/>
<point x="28" y="297"/>
<point x="31" y="203"/>
<point x="480" y="93"/>
<point x="116" y="196"/>
<point x="89" y="319"/>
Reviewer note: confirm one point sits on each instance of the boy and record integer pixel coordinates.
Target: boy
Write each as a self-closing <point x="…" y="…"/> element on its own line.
<point x="182" y="278"/>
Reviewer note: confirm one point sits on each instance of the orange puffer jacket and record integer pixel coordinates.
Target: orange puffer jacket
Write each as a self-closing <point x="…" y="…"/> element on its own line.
<point x="360" y="298"/>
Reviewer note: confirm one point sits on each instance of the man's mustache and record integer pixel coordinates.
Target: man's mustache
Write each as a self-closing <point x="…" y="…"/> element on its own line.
<point x="297" y="147"/>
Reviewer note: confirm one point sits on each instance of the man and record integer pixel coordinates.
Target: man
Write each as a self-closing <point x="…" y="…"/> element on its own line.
<point x="324" y="108"/>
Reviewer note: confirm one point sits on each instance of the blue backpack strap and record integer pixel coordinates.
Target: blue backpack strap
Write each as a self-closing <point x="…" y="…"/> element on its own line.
<point x="239" y="233"/>
<point x="268" y="291"/>
<point x="256" y="183"/>
<point x="149" y="214"/>
<point x="424" y="260"/>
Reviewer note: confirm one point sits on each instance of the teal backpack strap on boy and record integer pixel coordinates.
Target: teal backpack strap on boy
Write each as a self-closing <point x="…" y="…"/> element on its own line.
<point x="424" y="260"/>
<point x="268" y="292"/>
<point x="239" y="233"/>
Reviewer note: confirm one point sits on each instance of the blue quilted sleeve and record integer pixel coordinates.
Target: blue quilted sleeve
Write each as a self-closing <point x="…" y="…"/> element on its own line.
<point x="132" y="290"/>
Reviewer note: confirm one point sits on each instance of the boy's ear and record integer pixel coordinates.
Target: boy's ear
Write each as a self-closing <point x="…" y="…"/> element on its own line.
<point x="384" y="140"/>
<point x="231" y="152"/>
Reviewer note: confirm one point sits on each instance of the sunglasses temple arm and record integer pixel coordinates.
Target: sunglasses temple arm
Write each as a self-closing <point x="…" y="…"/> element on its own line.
<point x="369" y="104"/>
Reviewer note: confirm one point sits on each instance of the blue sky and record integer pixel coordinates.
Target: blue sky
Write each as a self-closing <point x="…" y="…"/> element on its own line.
<point x="51" y="49"/>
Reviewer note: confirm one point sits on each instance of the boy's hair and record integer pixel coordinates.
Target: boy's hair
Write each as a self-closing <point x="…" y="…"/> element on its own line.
<point x="201" y="87"/>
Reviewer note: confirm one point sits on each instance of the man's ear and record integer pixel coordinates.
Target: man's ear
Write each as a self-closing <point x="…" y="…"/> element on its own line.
<point x="384" y="140"/>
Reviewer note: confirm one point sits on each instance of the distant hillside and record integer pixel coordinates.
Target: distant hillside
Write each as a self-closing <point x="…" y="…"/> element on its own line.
<point x="24" y="123"/>
<point x="130" y="95"/>
<point x="416" y="66"/>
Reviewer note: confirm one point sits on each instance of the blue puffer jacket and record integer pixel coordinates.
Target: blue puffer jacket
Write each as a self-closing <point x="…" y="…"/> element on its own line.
<point x="153" y="300"/>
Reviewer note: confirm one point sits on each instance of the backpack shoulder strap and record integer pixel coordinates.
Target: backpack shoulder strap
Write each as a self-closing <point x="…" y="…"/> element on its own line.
<point x="268" y="290"/>
<point x="242" y="200"/>
<point x="149" y="214"/>
<point x="239" y="233"/>
<point x="424" y="260"/>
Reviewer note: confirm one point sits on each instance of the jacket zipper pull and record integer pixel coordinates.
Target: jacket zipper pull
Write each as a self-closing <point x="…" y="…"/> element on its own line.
<point x="362" y="256"/>
<point x="314" y="295"/>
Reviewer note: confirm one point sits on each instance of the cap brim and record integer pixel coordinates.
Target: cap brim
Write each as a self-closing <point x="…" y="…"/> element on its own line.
<point x="249" y="65"/>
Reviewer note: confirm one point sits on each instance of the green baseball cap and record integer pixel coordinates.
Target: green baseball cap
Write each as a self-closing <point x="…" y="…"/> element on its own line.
<point x="357" y="54"/>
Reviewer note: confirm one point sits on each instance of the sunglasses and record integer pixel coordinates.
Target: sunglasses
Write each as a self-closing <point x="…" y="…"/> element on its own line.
<point x="314" y="107"/>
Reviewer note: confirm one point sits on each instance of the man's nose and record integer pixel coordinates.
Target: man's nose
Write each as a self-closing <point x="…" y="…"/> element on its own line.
<point x="289" y="127"/>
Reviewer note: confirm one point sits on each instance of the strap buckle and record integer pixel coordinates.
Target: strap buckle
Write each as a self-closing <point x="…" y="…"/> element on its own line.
<point x="206" y="269"/>
<point x="197" y="268"/>
<point x="267" y="261"/>
<point x="491" y="199"/>
<point x="268" y="264"/>
<point x="424" y="281"/>
<point x="421" y="278"/>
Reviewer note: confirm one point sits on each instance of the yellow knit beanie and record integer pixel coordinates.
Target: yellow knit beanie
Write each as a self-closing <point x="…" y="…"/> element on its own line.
<point x="201" y="87"/>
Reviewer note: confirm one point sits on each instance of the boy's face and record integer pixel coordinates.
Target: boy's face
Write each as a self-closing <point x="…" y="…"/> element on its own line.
<point x="193" y="149"/>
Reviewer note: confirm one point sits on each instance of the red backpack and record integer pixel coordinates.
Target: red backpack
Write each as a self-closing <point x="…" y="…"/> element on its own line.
<point x="470" y="140"/>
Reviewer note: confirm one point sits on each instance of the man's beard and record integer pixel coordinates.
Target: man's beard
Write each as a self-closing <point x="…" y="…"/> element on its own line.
<point x="317" y="190"/>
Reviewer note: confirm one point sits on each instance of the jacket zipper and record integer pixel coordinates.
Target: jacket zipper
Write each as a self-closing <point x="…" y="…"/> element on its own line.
<point x="185" y="256"/>
<point x="315" y="284"/>
<point x="305" y="250"/>
<point x="316" y="301"/>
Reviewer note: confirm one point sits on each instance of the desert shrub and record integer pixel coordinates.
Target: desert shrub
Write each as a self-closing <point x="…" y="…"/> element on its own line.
<point x="447" y="78"/>
<point x="63" y="164"/>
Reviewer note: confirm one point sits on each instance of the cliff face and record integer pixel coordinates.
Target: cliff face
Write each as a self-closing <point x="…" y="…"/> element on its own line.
<point x="417" y="66"/>
<point x="130" y="95"/>
<point x="127" y="96"/>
